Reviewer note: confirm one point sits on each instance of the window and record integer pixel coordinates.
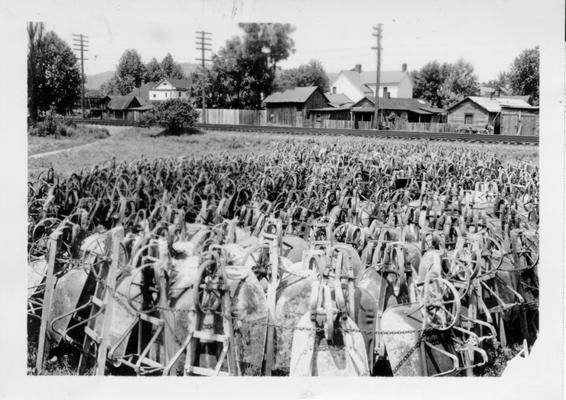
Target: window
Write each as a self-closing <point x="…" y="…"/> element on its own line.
<point x="154" y="95"/>
<point x="334" y="89"/>
<point x="179" y="94"/>
<point x="166" y="94"/>
<point x="468" y="119"/>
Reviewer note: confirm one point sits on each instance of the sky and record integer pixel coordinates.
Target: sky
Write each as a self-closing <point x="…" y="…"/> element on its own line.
<point x="489" y="34"/>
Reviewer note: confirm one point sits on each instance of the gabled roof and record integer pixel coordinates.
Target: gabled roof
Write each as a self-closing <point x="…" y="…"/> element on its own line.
<point x="179" y="84"/>
<point x="124" y="102"/>
<point x="143" y="91"/>
<point x="496" y="104"/>
<point x="399" y="104"/>
<point x="294" y="95"/>
<point x="363" y="80"/>
<point x="337" y="99"/>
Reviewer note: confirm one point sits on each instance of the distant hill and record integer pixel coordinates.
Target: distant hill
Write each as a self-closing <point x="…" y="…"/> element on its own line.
<point x="189" y="68"/>
<point x="95" y="81"/>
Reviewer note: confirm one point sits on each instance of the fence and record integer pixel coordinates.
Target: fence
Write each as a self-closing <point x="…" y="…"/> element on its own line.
<point x="522" y="125"/>
<point x="437" y="127"/>
<point x="234" y="117"/>
<point x="259" y="117"/>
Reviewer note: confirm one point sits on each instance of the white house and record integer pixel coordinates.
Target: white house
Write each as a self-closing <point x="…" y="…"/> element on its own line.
<point x="356" y="84"/>
<point x="170" y="89"/>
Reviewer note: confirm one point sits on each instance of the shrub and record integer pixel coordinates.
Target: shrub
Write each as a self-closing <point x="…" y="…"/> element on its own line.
<point x="176" y="116"/>
<point x="98" y="133"/>
<point x="47" y="127"/>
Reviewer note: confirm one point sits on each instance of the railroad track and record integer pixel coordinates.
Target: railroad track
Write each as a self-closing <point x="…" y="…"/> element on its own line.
<point x="288" y="130"/>
<point x="444" y="136"/>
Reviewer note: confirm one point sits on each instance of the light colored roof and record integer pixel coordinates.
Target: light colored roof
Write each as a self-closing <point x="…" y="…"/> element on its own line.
<point x="337" y="99"/>
<point x="143" y="91"/>
<point x="363" y="80"/>
<point x="294" y="95"/>
<point x="183" y="84"/>
<point x="495" y="104"/>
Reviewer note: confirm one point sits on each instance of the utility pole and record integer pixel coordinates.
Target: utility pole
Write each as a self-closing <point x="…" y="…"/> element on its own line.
<point x="80" y="43"/>
<point x="203" y="44"/>
<point x="377" y="34"/>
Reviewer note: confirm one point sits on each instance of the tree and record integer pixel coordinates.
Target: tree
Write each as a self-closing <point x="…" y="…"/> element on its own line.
<point x="174" y="115"/>
<point x="35" y="49"/>
<point x="115" y="87"/>
<point x="130" y="71"/>
<point x="502" y="81"/>
<point x="243" y="71"/>
<point x="443" y="84"/>
<point x="171" y="69"/>
<point x="198" y="79"/>
<point x="460" y="82"/>
<point x="428" y="83"/>
<point x="153" y="71"/>
<point x="311" y="74"/>
<point x="524" y="75"/>
<point x="54" y="79"/>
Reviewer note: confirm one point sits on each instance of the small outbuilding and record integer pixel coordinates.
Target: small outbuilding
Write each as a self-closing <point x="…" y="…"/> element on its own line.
<point x="128" y="107"/>
<point x="292" y="106"/>
<point x="510" y="115"/>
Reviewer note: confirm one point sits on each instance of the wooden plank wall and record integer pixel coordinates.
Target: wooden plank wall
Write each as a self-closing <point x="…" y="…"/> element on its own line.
<point x="519" y="123"/>
<point x="437" y="127"/>
<point x="457" y="114"/>
<point x="286" y="116"/>
<point x="234" y="117"/>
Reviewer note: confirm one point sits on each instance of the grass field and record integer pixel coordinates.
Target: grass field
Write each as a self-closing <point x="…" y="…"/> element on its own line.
<point x="81" y="135"/>
<point x="127" y="144"/>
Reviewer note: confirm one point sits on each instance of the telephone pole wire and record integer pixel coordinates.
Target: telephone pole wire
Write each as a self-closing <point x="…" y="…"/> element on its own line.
<point x="80" y="43"/>
<point x="377" y="34"/>
<point x="204" y="41"/>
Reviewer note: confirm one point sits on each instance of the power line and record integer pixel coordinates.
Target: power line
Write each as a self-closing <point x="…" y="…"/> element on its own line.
<point x="377" y="34"/>
<point x="80" y="43"/>
<point x="203" y="44"/>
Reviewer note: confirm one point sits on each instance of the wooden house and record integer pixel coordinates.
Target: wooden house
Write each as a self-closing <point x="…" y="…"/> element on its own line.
<point x="169" y="88"/>
<point x="292" y="106"/>
<point x="128" y="107"/>
<point x="503" y="115"/>
<point x="391" y="109"/>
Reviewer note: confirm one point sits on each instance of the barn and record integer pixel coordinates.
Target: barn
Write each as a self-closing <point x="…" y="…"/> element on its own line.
<point x="292" y="106"/>
<point x="510" y="115"/>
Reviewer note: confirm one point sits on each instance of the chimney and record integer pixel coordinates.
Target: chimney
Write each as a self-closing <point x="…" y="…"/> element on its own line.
<point x="358" y="68"/>
<point x="404" y="67"/>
